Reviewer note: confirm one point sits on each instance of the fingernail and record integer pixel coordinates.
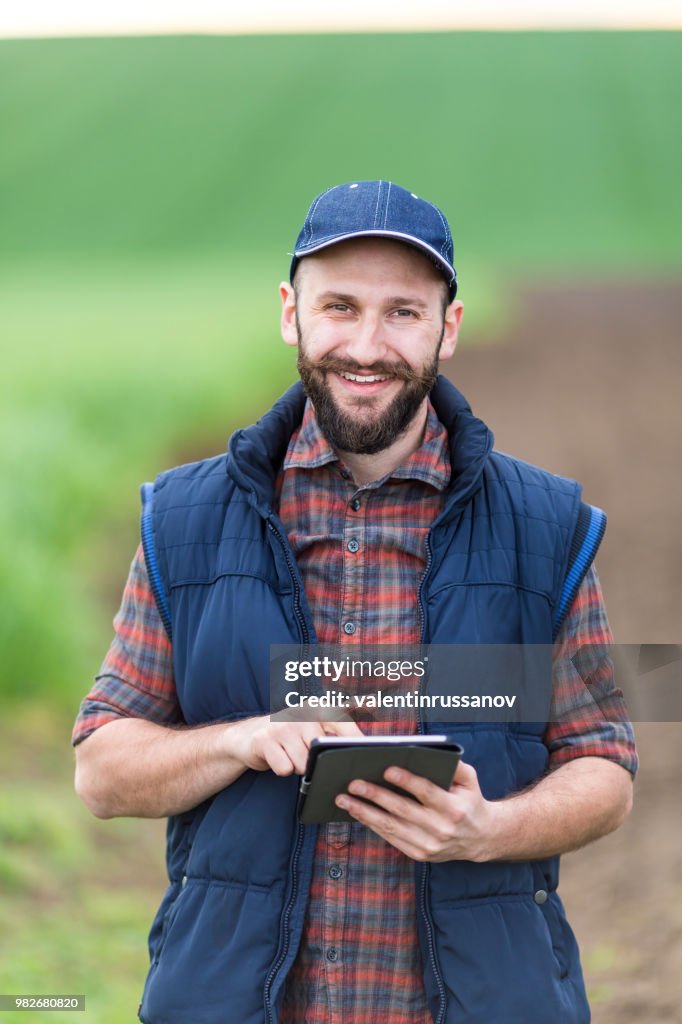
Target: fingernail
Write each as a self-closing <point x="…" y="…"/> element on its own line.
<point x="359" y="788"/>
<point x="342" y="801"/>
<point x="393" y="774"/>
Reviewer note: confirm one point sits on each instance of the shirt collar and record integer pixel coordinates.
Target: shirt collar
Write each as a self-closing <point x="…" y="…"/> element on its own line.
<point x="310" y="449"/>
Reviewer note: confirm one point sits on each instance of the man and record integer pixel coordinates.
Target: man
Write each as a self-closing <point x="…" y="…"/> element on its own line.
<point x="375" y="511"/>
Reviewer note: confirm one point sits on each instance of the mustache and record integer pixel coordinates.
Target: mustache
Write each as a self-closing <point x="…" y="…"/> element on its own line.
<point x="333" y="364"/>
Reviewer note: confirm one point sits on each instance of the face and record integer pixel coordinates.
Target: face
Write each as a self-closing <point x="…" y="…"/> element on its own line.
<point x="369" y="320"/>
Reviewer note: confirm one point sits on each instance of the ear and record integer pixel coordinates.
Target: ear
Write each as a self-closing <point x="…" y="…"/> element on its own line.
<point x="288" y="321"/>
<point x="453" y="318"/>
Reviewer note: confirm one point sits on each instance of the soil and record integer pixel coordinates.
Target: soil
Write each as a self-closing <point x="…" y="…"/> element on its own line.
<point x="588" y="383"/>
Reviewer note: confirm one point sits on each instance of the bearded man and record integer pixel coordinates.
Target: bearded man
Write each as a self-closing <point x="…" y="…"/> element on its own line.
<point x="367" y="506"/>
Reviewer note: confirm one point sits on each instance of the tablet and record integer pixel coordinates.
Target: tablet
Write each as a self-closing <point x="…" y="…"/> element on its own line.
<point x="334" y="761"/>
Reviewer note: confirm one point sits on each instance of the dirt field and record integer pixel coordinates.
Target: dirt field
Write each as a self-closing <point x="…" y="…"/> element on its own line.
<point x="590" y="386"/>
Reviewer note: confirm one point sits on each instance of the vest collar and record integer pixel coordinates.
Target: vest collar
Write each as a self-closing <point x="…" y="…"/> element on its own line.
<point x="471" y="442"/>
<point x="255" y="454"/>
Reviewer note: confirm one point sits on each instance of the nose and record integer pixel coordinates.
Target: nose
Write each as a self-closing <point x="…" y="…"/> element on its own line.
<point x="366" y="343"/>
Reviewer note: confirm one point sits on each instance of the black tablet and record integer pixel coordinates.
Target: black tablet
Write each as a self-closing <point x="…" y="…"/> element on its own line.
<point x="334" y="761"/>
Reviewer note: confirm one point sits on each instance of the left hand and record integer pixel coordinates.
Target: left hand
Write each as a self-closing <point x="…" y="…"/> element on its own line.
<point x="440" y="825"/>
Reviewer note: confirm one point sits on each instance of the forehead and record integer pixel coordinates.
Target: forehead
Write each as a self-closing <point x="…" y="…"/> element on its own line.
<point x="369" y="262"/>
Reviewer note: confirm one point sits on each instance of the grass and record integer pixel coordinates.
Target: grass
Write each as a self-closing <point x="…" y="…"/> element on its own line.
<point x="78" y="895"/>
<point x="104" y="377"/>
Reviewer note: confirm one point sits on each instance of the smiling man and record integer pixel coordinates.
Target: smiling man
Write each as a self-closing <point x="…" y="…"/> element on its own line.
<point x="368" y="506"/>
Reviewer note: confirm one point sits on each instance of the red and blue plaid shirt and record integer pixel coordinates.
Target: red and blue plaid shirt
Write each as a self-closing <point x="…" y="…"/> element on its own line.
<point x="361" y="553"/>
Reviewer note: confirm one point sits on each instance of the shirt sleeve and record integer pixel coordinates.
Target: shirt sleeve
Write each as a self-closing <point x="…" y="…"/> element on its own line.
<point x="588" y="716"/>
<point x="136" y="679"/>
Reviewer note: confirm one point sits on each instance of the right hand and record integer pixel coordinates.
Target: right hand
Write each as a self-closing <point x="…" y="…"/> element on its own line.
<point x="281" y="746"/>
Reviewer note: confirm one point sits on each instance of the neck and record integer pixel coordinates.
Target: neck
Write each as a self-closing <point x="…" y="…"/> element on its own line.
<point x="368" y="468"/>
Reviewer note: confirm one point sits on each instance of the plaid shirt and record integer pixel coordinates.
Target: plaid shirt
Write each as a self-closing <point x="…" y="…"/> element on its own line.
<point x="361" y="553"/>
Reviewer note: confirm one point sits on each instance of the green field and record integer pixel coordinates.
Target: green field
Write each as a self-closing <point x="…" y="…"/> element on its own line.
<point x="103" y="379"/>
<point x="546" y="148"/>
<point x="149" y="192"/>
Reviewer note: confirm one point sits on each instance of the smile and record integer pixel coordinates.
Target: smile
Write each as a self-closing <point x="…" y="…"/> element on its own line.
<point x="363" y="379"/>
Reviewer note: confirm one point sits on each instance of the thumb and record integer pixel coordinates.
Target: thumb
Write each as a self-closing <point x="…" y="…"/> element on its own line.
<point x="465" y="776"/>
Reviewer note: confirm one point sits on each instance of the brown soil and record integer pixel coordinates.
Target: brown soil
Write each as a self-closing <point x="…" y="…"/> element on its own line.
<point x="589" y="384"/>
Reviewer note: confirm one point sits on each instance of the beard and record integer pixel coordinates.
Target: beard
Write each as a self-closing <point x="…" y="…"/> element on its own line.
<point x="358" y="431"/>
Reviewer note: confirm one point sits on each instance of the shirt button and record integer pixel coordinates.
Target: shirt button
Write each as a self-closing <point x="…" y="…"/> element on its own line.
<point x="332" y="954"/>
<point x="335" y="871"/>
<point x="353" y="546"/>
<point x="183" y="883"/>
<point x="345" y="473"/>
<point x="540" y="896"/>
<point x="349" y="628"/>
<point x="355" y="504"/>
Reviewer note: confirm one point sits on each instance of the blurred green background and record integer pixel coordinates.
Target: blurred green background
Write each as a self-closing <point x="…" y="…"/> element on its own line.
<point x="150" y="190"/>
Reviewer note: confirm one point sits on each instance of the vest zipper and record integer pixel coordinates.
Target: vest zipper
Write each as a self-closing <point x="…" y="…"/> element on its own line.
<point x="293" y="572"/>
<point x="423" y="869"/>
<point x="284" y="945"/>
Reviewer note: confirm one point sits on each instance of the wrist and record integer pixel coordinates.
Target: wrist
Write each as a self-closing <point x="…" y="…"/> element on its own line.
<point x="498" y="834"/>
<point x="237" y="741"/>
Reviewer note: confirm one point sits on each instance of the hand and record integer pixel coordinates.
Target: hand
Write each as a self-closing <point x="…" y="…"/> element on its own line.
<point x="440" y="825"/>
<point x="282" y="745"/>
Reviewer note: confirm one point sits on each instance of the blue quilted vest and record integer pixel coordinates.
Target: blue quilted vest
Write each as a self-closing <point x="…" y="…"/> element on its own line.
<point x="504" y="560"/>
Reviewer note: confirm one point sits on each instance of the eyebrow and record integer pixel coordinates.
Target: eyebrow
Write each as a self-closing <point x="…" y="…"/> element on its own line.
<point x="407" y="300"/>
<point x="393" y="300"/>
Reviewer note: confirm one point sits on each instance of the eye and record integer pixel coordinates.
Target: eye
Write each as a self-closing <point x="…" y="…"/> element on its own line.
<point x="338" y="307"/>
<point x="404" y="314"/>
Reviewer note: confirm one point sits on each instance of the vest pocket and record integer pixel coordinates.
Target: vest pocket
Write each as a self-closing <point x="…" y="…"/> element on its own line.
<point x="549" y="905"/>
<point x="555" y="928"/>
<point x="509" y="938"/>
<point x="168" y="919"/>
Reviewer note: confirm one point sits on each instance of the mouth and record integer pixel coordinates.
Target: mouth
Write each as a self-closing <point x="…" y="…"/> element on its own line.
<point x="369" y="378"/>
<point x="363" y="383"/>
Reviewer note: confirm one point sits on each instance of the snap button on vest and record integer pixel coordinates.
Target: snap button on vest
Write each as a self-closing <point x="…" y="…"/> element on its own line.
<point x="183" y="883"/>
<point x="541" y="896"/>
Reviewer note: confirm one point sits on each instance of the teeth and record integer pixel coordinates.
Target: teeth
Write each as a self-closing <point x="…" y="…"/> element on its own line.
<point x="364" y="380"/>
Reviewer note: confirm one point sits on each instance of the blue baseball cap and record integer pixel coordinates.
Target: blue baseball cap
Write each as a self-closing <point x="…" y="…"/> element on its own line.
<point x="378" y="208"/>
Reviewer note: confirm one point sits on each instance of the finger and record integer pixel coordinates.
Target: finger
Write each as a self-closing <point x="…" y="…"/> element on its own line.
<point x="405" y="836"/>
<point x="278" y="759"/>
<point x="403" y="807"/>
<point x="313" y="731"/>
<point x="426" y="792"/>
<point x="347" y="728"/>
<point x="296" y="748"/>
